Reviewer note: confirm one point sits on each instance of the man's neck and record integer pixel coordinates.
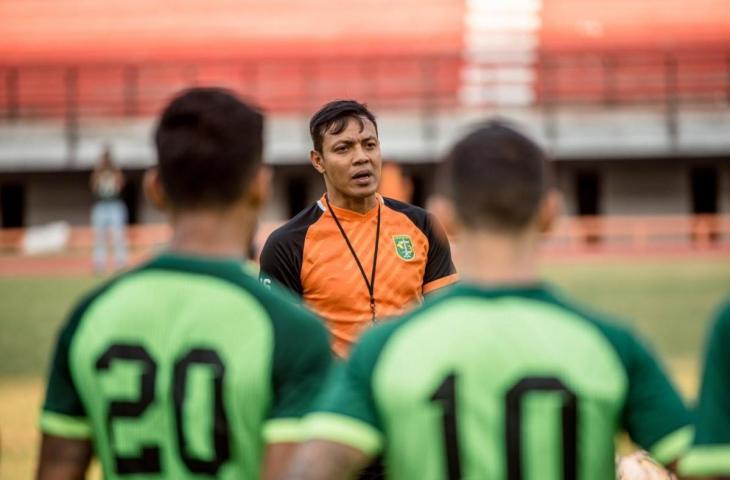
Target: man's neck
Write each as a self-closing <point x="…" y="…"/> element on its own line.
<point x="213" y="233"/>
<point x="498" y="259"/>
<point x="356" y="204"/>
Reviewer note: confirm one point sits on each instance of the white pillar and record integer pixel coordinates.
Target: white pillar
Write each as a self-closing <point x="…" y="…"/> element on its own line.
<point x="500" y="45"/>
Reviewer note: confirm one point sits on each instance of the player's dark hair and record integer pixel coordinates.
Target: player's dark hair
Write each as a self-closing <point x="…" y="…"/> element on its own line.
<point x="333" y="118"/>
<point x="496" y="177"/>
<point x="209" y="146"/>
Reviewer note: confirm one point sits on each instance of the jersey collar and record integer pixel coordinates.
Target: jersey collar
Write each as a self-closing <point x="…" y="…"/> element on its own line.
<point x="537" y="289"/>
<point x="175" y="260"/>
<point x="350" y="214"/>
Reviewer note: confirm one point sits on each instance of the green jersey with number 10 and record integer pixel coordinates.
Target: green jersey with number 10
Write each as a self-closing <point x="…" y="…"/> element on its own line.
<point x="184" y="367"/>
<point x="500" y="384"/>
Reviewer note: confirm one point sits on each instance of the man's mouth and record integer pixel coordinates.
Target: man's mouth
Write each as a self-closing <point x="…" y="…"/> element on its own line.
<point x="363" y="177"/>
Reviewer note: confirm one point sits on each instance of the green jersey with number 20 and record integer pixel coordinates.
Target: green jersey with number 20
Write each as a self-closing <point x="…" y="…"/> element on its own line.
<point x="500" y="384"/>
<point x="184" y="368"/>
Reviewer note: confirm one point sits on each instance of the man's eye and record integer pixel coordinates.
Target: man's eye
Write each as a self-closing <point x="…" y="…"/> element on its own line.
<point x="341" y="148"/>
<point x="371" y="145"/>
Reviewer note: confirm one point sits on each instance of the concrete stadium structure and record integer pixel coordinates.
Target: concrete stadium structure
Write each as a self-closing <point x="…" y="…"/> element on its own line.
<point x="633" y="106"/>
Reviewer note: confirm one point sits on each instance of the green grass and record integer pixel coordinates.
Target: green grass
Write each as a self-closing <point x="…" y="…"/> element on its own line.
<point x="668" y="302"/>
<point x="32" y="310"/>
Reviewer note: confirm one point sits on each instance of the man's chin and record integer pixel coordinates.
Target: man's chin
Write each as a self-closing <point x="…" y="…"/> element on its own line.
<point x="364" y="191"/>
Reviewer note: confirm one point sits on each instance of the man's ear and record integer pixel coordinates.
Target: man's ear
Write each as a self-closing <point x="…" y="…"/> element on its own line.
<point x="550" y="209"/>
<point x="153" y="189"/>
<point x="259" y="189"/>
<point x="317" y="161"/>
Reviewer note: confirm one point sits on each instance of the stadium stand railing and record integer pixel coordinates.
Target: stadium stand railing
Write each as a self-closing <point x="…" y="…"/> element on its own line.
<point x="425" y="83"/>
<point x="640" y="234"/>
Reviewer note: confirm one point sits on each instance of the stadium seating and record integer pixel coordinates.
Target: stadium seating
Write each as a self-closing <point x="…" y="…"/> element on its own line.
<point x="422" y="55"/>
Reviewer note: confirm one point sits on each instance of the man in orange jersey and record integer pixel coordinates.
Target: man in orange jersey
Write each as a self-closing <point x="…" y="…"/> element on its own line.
<point x="355" y="257"/>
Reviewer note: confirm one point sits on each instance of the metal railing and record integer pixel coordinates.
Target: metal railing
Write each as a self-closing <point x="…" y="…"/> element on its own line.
<point x="640" y="234"/>
<point x="572" y="235"/>
<point x="427" y="85"/>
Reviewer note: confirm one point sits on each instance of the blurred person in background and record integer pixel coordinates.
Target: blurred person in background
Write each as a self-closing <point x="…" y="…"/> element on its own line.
<point x="109" y="214"/>
<point x="187" y="367"/>
<point x="710" y="453"/>
<point x="442" y="209"/>
<point x="500" y="377"/>
<point x="356" y="257"/>
<point x="394" y="183"/>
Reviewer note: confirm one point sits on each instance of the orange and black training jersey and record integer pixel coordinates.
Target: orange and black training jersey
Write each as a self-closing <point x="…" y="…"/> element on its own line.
<point x="310" y="256"/>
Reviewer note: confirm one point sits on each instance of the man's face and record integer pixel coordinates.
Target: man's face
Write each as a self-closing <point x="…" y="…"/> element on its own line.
<point x="350" y="160"/>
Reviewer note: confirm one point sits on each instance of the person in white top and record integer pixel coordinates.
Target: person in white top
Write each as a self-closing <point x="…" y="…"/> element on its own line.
<point x="109" y="214"/>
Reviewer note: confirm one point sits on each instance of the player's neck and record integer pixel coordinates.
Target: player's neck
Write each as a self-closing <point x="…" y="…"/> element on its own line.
<point x="355" y="204"/>
<point x="213" y="233"/>
<point x="494" y="259"/>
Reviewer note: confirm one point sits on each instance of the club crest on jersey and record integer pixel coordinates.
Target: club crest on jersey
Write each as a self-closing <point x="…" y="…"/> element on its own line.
<point x="404" y="247"/>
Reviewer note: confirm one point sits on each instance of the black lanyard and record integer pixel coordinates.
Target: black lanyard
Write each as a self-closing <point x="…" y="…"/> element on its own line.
<point x="369" y="283"/>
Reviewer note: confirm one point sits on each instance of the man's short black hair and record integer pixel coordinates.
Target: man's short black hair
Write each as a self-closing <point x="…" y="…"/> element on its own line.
<point x="333" y="118"/>
<point x="497" y="178"/>
<point x="209" y="146"/>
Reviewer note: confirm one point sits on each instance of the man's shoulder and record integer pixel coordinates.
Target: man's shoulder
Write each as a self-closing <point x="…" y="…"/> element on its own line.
<point x="415" y="214"/>
<point x="623" y="339"/>
<point x="612" y="330"/>
<point x="217" y="273"/>
<point x="279" y="305"/>
<point x="296" y="228"/>
<point x="85" y="302"/>
<point x="281" y="255"/>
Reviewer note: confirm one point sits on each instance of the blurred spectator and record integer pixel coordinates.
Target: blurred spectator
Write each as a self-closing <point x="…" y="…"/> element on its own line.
<point x="394" y="184"/>
<point x="109" y="214"/>
<point x="440" y="207"/>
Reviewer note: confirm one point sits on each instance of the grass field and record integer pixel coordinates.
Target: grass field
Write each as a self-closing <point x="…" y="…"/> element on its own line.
<point x="669" y="302"/>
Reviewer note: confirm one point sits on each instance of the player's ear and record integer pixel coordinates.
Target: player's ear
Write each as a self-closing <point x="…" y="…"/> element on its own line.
<point x="260" y="187"/>
<point x="153" y="189"/>
<point x="317" y="161"/>
<point x="550" y="209"/>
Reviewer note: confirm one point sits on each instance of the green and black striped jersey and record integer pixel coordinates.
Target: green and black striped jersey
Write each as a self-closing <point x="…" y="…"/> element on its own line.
<point x="185" y="367"/>
<point x="710" y="453"/>
<point x="501" y="384"/>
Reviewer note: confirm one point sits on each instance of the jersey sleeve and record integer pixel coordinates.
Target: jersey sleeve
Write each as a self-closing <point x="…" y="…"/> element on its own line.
<point x="654" y="415"/>
<point x="440" y="270"/>
<point x="347" y="413"/>
<point x="301" y="364"/>
<point x="281" y="261"/>
<point x="63" y="412"/>
<point x="710" y="453"/>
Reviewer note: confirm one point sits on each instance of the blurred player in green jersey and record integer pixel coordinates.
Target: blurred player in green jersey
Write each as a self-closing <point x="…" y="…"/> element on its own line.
<point x="710" y="453"/>
<point x="501" y="377"/>
<point x="187" y="367"/>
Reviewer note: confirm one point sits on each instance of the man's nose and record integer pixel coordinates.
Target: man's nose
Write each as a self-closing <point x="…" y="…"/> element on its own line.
<point x="361" y="155"/>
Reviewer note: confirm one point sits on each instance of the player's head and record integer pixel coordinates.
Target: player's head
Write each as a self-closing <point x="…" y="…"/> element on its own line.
<point x="209" y="148"/>
<point x="499" y="180"/>
<point x="346" y="149"/>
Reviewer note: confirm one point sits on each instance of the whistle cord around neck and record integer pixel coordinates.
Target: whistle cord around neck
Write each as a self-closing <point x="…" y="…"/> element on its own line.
<point x="370" y="284"/>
